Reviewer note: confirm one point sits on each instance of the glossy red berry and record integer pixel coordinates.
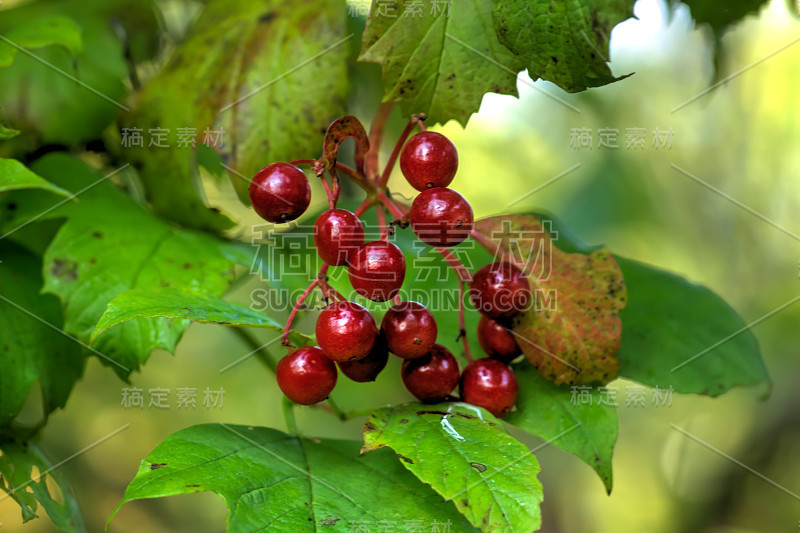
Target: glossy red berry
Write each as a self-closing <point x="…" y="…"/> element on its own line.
<point x="410" y="330"/>
<point x="367" y="368"/>
<point x="433" y="377"/>
<point x="429" y="160"/>
<point x="346" y="331"/>
<point x="500" y="290"/>
<point x="338" y="233"/>
<point x="497" y="340"/>
<point x="441" y="217"/>
<point x="306" y="376"/>
<point x="280" y="192"/>
<point x="377" y="270"/>
<point x="490" y="384"/>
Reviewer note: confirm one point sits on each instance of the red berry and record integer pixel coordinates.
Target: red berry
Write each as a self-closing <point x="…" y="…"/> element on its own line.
<point x="377" y="270"/>
<point x="337" y="235"/>
<point x="410" y="330"/>
<point x="428" y="160"/>
<point x="346" y="331"/>
<point x="441" y="217"/>
<point x="433" y="377"/>
<point x="367" y="368"/>
<point x="497" y="340"/>
<point x="280" y="192"/>
<point x="306" y="376"/>
<point x="490" y="384"/>
<point x="500" y="290"/>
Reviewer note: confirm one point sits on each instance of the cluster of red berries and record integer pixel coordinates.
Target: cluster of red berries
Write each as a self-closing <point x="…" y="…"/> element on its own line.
<point x="346" y="332"/>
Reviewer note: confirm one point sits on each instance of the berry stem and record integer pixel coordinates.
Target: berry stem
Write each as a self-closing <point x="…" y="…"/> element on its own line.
<point x="354" y="175"/>
<point x="296" y="162"/>
<point x="462" y="330"/>
<point x="365" y="205"/>
<point x="298" y="304"/>
<point x="331" y="197"/>
<point x="496" y="250"/>
<point x="381" y="214"/>
<point x="387" y="170"/>
<point x="393" y="208"/>
<point x="375" y="140"/>
<point x="288" y="416"/>
<point x="335" y="409"/>
<point x="464" y="275"/>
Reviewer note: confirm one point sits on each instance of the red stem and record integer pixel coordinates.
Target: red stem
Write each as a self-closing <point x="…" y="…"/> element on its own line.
<point x="366" y="204"/>
<point x="387" y="170"/>
<point x="496" y="250"/>
<point x="381" y="214"/>
<point x="462" y="329"/>
<point x="393" y="208"/>
<point x="375" y="139"/>
<point x="303" y="162"/>
<point x="464" y="275"/>
<point x="295" y="309"/>
<point x="353" y="175"/>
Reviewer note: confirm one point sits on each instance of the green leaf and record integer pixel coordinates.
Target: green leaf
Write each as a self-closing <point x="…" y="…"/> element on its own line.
<point x="462" y="452"/>
<point x="75" y="101"/>
<point x="269" y="75"/>
<point x="38" y="33"/>
<point x="16" y="479"/>
<point x="31" y="347"/>
<point x="564" y="41"/>
<point x="586" y="428"/>
<point x="720" y="16"/>
<point x="277" y="482"/>
<point x="14" y="175"/>
<point x="572" y="330"/>
<point x="185" y="304"/>
<point x="679" y="334"/>
<point x="437" y="59"/>
<point x="7" y="133"/>
<point x="110" y="245"/>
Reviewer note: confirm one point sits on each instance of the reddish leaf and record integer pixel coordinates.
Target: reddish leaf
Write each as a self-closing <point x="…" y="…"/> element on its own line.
<point x="340" y="130"/>
<point x="572" y="330"/>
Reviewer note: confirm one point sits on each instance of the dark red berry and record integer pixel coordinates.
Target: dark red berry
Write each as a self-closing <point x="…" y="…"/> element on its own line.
<point x="280" y="192"/>
<point x="500" y="290"/>
<point x="433" y="377"/>
<point x="497" y="340"/>
<point x="429" y="160"/>
<point x="306" y="376"/>
<point x="441" y="217"/>
<point x="346" y="331"/>
<point x="367" y="368"/>
<point x="337" y="235"/>
<point x="377" y="270"/>
<point x="410" y="330"/>
<point x="490" y="384"/>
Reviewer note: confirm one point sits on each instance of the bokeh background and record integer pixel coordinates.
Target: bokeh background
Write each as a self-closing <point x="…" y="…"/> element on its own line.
<point x="738" y="235"/>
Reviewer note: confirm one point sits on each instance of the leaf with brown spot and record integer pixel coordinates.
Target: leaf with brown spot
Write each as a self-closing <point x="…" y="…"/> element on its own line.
<point x="572" y="331"/>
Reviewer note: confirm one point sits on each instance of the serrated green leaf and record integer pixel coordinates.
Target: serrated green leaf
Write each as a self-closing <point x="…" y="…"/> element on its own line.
<point x="14" y="175"/>
<point x="185" y="304"/>
<point x="291" y="484"/>
<point x="572" y="330"/>
<point x="16" y="469"/>
<point x="680" y="334"/>
<point x="30" y="349"/>
<point x="269" y="75"/>
<point x="437" y="59"/>
<point x="38" y="33"/>
<point x="464" y="454"/>
<point x="585" y="428"/>
<point x="110" y="245"/>
<point x="564" y="41"/>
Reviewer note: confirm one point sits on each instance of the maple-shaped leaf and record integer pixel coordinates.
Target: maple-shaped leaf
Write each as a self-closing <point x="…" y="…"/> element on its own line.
<point x="572" y="330"/>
